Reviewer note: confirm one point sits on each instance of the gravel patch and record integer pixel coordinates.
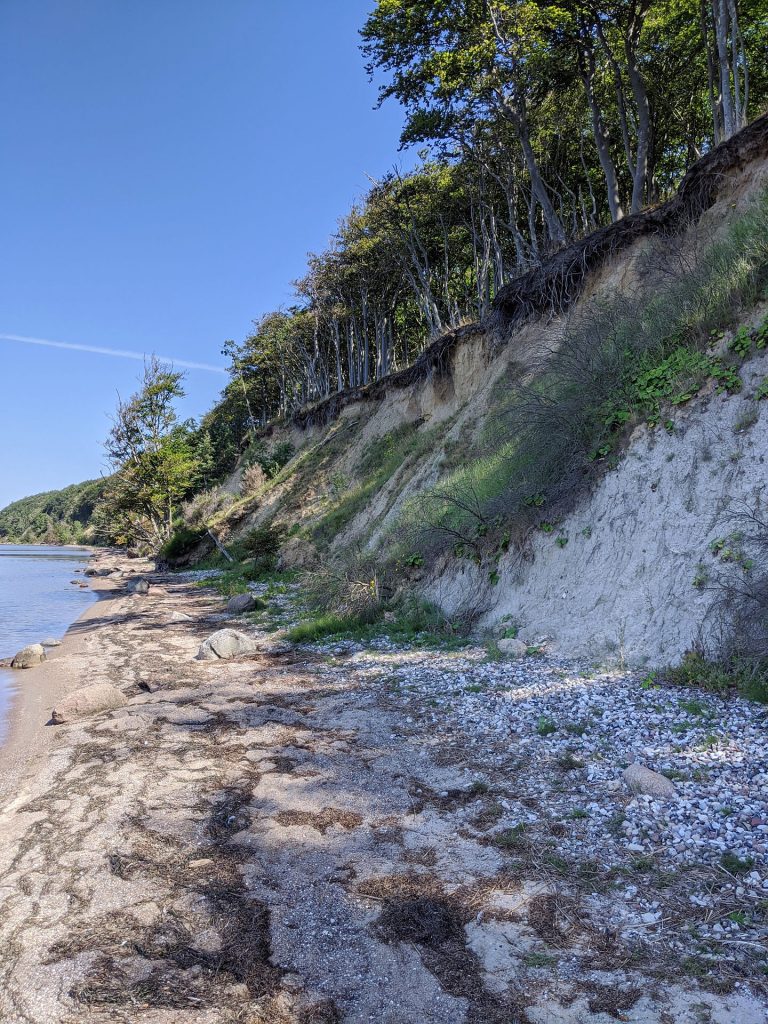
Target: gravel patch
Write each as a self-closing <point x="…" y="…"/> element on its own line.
<point x="550" y="740"/>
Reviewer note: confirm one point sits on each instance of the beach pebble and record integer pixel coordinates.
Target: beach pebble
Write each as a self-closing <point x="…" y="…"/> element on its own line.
<point x="51" y="642"/>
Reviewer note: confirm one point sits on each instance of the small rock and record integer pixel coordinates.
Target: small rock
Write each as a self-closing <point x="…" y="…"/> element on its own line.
<point x="89" y="700"/>
<point x="179" y="617"/>
<point x="224" y="644"/>
<point x="29" y="656"/>
<point x="50" y="642"/>
<point x="204" y="862"/>
<point x="513" y="647"/>
<point x="150" y="685"/>
<point x="642" y="780"/>
<point x="241" y="603"/>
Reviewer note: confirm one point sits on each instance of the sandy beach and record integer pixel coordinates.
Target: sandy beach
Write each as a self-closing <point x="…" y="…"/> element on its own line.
<point x="275" y="839"/>
<point x="27" y="732"/>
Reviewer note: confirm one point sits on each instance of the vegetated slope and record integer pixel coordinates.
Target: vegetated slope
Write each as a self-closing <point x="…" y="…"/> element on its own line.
<point x="564" y="466"/>
<point x="53" y="517"/>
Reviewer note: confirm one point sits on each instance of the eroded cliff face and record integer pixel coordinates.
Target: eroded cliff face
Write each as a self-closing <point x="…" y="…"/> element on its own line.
<point x="630" y="574"/>
<point x="616" y="578"/>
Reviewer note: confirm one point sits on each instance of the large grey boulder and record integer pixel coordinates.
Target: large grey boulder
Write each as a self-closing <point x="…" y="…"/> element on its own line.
<point x="242" y="603"/>
<point x="29" y="656"/>
<point x="225" y="644"/>
<point x="512" y="647"/>
<point x="89" y="700"/>
<point x="642" y="780"/>
<point x="138" y="586"/>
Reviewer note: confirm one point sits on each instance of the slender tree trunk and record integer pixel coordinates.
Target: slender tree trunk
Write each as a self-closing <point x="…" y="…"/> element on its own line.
<point x="715" y="100"/>
<point x="721" y="19"/>
<point x="599" y="131"/>
<point x="337" y="353"/>
<point x="516" y="115"/>
<point x="640" y="95"/>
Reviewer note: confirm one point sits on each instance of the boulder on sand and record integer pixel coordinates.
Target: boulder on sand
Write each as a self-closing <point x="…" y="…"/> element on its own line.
<point x="139" y="586"/>
<point x="241" y="603"/>
<point x="29" y="656"/>
<point x="88" y="701"/>
<point x="225" y="644"/>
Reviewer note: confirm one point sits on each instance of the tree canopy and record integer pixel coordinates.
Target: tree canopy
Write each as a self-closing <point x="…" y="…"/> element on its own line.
<point x="537" y="122"/>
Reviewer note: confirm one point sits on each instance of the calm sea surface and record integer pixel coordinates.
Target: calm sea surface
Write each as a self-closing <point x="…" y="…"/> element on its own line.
<point x="37" y="601"/>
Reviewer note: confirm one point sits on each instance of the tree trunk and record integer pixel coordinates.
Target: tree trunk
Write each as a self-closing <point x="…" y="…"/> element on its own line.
<point x="515" y="113"/>
<point x="640" y="95"/>
<point x="722" y="18"/>
<point x="715" y="100"/>
<point x="599" y="131"/>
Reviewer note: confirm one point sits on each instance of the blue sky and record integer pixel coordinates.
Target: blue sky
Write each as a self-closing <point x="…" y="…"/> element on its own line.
<point x="165" y="166"/>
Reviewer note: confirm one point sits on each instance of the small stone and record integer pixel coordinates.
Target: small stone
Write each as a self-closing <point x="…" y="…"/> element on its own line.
<point x="203" y="862"/>
<point x="512" y="647"/>
<point x="51" y="642"/>
<point x="241" y="603"/>
<point x="225" y="644"/>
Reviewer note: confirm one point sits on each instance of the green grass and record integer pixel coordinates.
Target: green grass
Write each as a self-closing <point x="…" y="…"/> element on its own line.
<point x="412" y="623"/>
<point x="546" y="726"/>
<point x="382" y="458"/>
<point x="750" y="680"/>
<point x="511" y="838"/>
<point x="234" y="579"/>
<point x="735" y="865"/>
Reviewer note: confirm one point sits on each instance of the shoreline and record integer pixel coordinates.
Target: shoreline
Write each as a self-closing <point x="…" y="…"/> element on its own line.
<point x="27" y="736"/>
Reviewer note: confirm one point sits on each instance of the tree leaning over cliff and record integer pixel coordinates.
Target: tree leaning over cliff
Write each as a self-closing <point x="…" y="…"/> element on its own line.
<point x="155" y="458"/>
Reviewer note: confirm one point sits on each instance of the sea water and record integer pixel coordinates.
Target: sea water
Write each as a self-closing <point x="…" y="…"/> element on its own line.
<point x="37" y="601"/>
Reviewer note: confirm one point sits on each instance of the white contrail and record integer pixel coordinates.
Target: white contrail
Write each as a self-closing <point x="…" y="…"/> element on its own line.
<point x="120" y="352"/>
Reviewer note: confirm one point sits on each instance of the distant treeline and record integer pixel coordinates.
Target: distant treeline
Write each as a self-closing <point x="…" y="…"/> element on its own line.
<point x="54" y="517"/>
